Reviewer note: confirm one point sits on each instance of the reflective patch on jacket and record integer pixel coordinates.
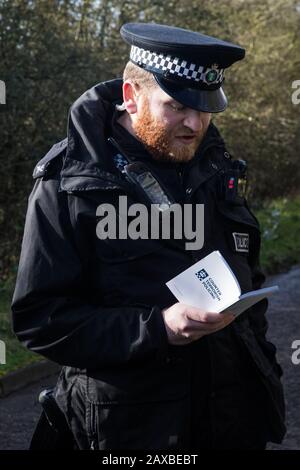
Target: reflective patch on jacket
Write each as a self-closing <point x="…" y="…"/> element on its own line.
<point x="241" y="242"/>
<point x="42" y="166"/>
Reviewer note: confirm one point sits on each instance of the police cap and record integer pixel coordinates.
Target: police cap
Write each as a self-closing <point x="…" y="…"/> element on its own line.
<point x="187" y="65"/>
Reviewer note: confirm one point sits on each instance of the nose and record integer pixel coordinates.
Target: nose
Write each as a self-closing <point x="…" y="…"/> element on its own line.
<point x="194" y="120"/>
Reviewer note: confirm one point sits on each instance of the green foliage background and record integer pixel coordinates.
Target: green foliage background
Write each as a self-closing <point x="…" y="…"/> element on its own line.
<point x="52" y="51"/>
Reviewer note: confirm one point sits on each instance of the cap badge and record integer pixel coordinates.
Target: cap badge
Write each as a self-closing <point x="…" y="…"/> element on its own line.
<point x="212" y="74"/>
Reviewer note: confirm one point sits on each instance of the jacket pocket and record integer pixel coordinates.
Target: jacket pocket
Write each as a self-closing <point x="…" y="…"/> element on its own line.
<point x="115" y="251"/>
<point x="138" y="409"/>
<point x="149" y="425"/>
<point x="269" y="371"/>
<point x="122" y="237"/>
<point x="265" y="362"/>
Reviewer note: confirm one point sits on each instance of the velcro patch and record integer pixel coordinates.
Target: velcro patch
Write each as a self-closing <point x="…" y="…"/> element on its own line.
<point x="241" y="242"/>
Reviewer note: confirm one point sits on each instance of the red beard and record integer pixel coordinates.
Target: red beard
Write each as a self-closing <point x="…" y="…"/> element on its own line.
<point x="160" y="141"/>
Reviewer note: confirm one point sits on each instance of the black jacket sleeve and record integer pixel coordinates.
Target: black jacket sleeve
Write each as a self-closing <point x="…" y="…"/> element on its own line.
<point x="51" y="309"/>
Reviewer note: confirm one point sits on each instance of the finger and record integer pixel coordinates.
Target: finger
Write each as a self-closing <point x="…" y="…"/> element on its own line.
<point x="227" y="314"/>
<point x="207" y="317"/>
<point x="198" y="326"/>
<point x="206" y="328"/>
<point x="203" y="317"/>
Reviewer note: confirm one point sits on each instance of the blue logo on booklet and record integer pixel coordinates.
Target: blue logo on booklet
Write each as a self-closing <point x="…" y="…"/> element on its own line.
<point x="202" y="274"/>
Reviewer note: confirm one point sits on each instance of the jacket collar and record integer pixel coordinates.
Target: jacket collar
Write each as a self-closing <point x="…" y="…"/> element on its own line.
<point x="88" y="163"/>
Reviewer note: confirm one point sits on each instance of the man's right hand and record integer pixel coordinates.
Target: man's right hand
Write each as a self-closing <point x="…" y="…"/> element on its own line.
<point x="185" y="323"/>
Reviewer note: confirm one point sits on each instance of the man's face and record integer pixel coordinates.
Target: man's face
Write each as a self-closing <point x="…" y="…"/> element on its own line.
<point x="169" y="130"/>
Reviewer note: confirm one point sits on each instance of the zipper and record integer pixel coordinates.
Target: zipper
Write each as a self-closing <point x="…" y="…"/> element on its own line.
<point x="179" y="170"/>
<point x="94" y="434"/>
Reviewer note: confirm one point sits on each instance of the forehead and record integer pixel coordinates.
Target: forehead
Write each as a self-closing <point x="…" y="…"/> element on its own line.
<point x="158" y="95"/>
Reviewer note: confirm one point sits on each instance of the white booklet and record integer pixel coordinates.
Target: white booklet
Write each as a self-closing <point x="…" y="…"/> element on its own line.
<point x="211" y="285"/>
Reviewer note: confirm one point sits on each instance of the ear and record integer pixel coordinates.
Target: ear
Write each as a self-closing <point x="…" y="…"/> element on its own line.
<point x="130" y="96"/>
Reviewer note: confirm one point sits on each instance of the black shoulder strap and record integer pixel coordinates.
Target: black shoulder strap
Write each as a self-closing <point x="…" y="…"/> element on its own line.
<point x="42" y="166"/>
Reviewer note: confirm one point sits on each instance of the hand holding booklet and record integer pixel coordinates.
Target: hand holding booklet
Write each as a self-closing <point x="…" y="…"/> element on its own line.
<point x="211" y="285"/>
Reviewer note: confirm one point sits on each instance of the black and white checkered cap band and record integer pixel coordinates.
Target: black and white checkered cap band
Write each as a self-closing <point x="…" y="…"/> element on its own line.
<point x="176" y="66"/>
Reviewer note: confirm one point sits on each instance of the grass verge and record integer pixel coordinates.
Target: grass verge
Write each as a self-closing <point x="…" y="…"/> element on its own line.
<point x="16" y="355"/>
<point x="280" y="228"/>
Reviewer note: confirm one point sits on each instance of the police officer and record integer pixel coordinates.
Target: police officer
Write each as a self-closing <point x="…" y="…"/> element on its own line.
<point x="140" y="370"/>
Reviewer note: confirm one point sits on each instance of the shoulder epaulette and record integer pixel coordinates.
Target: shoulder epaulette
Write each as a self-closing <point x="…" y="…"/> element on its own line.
<point x="42" y="166"/>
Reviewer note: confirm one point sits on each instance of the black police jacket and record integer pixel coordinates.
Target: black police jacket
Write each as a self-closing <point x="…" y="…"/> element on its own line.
<point x="94" y="305"/>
